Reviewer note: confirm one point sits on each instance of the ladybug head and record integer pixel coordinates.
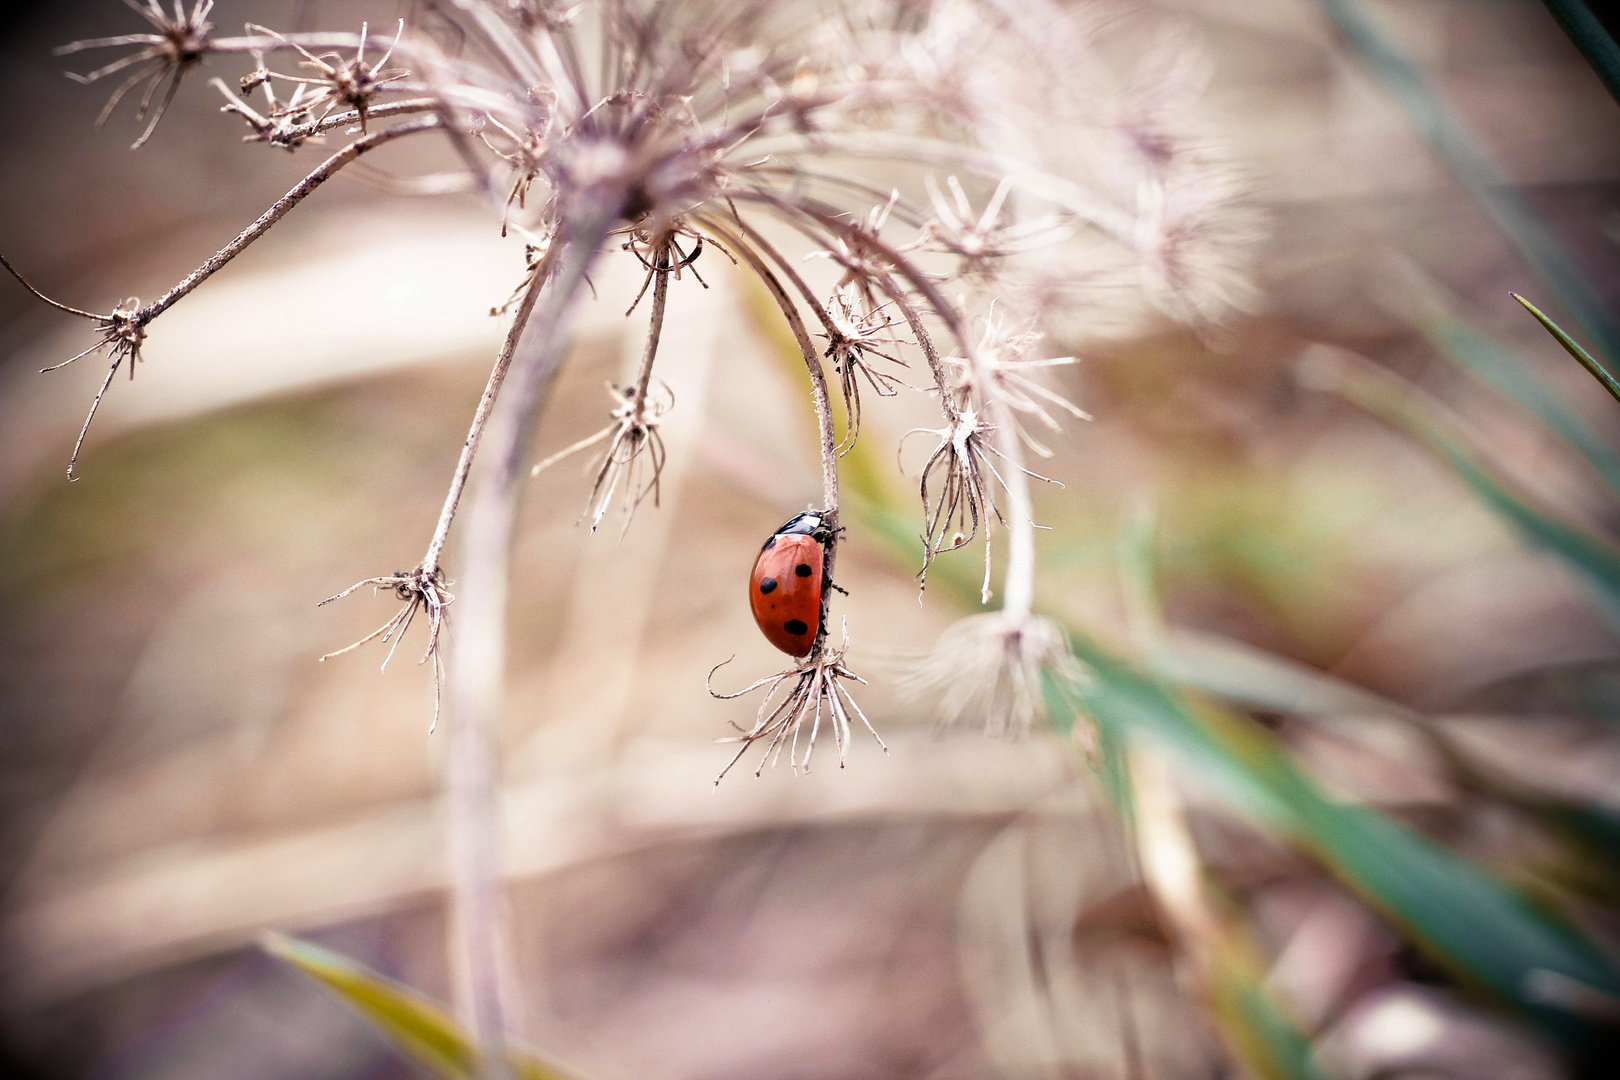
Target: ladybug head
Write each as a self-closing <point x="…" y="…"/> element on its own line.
<point x="808" y="523"/>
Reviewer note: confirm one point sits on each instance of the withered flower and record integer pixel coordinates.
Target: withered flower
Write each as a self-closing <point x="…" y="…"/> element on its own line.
<point x="180" y="42"/>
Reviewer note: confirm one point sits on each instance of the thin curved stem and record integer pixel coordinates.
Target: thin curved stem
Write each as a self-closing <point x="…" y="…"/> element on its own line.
<point x="279" y="210"/>
<point x="661" y="271"/>
<point x="479" y="661"/>
<point x="818" y="394"/>
<point x="55" y="304"/>
<point x="486" y="403"/>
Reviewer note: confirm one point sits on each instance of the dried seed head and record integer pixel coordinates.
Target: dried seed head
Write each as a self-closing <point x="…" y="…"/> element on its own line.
<point x="989" y="670"/>
<point x="859" y="333"/>
<point x="180" y="42"/>
<point x="984" y="243"/>
<point x="818" y="690"/>
<point x="1003" y="371"/>
<point x="633" y="463"/>
<point x="423" y="589"/>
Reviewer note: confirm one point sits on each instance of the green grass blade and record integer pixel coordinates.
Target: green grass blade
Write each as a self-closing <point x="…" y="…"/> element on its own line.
<point x="418" y="1026"/>
<point x="1217" y="665"/>
<point x="1239" y="672"/>
<point x="1581" y="356"/>
<point x="1592" y="38"/>
<point x="1509" y="375"/>
<point x="1379" y="50"/>
<point x="1459" y="913"/>
<point x="1595" y="560"/>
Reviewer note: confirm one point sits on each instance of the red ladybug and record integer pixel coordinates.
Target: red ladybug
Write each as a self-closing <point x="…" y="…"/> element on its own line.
<point x="786" y="585"/>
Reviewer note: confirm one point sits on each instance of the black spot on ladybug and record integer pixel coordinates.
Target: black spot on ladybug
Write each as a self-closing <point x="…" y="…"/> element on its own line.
<point x="767" y="584"/>
<point x="769" y="541"/>
<point x="803" y="569"/>
<point x="795" y="627"/>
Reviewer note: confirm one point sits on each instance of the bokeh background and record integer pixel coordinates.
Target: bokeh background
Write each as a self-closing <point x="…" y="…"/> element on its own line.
<point x="177" y="772"/>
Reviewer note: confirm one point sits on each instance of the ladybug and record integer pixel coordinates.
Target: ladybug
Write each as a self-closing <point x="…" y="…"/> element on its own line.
<point x="786" y="586"/>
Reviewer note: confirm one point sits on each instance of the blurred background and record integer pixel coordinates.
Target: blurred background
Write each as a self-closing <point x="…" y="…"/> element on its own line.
<point x="177" y="773"/>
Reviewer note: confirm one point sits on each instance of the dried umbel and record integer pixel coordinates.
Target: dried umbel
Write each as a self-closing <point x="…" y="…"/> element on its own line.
<point x="180" y="41"/>
<point x="671" y="129"/>
<point x="420" y="592"/>
<point x="990" y="670"/>
<point x="666" y="129"/>
<point x="858" y="335"/>
<point x="817" y="691"/>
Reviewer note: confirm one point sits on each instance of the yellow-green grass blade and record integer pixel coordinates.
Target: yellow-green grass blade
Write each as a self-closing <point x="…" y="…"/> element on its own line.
<point x="1582" y="357"/>
<point x="1270" y="1043"/>
<point x="418" y="1026"/>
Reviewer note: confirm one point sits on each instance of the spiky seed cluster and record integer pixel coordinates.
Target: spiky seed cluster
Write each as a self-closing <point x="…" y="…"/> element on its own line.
<point x="817" y="691"/>
<point x="985" y="243"/>
<point x="180" y="42"/>
<point x="336" y="82"/>
<point x="420" y="591"/>
<point x="1005" y="371"/>
<point x="691" y="126"/>
<point x="857" y="334"/>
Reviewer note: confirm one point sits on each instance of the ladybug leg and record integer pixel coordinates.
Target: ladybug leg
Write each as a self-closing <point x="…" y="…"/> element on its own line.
<point x="835" y="588"/>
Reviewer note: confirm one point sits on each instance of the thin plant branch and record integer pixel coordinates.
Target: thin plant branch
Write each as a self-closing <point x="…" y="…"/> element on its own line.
<point x="280" y="208"/>
<point x="632" y="436"/>
<point x="478" y="663"/>
<point x="123" y="330"/>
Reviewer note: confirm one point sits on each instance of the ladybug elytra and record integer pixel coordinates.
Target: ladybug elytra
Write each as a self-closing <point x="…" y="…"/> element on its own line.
<point x="786" y="586"/>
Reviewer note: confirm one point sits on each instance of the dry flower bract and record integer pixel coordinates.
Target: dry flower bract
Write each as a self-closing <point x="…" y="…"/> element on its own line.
<point x="180" y="42"/>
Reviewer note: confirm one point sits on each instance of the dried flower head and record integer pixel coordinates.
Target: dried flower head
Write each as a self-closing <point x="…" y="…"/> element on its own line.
<point x="335" y="82"/>
<point x="1004" y="371"/>
<point x="989" y="670"/>
<point x="180" y="42"/>
<point x="121" y="333"/>
<point x="985" y="243"/>
<point x="857" y="333"/>
<point x="964" y="479"/>
<point x="635" y="451"/>
<point x="818" y="690"/>
<point x="422" y="591"/>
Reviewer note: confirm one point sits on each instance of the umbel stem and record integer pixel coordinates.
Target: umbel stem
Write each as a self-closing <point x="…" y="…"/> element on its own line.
<point x="478" y="660"/>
